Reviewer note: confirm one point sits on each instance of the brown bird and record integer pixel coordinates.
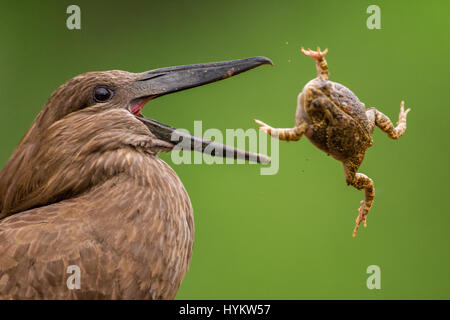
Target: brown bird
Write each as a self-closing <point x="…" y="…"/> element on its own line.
<point x="85" y="189"/>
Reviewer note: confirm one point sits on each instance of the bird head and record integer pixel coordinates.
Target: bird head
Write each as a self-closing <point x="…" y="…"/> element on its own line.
<point x="92" y="129"/>
<point x="116" y="89"/>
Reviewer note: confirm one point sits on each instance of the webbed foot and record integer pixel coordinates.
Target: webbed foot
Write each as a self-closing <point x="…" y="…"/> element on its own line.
<point x="321" y="64"/>
<point x="362" y="217"/>
<point x="316" y="55"/>
<point x="264" y="127"/>
<point x="403" y="113"/>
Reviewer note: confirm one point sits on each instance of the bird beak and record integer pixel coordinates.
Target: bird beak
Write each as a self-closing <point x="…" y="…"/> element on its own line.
<point x="159" y="82"/>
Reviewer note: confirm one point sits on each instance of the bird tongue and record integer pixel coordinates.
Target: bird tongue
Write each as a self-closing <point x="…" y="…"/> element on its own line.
<point x="186" y="141"/>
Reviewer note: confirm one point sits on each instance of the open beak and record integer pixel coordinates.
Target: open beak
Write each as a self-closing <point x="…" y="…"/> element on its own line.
<point x="159" y="82"/>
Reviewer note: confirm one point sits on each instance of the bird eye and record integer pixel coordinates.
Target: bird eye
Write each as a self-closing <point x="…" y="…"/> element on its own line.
<point x="102" y="94"/>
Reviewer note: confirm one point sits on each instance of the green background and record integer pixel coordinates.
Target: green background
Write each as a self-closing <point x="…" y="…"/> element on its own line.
<point x="286" y="236"/>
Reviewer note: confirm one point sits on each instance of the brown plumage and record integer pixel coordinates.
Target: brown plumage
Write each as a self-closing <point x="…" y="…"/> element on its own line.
<point x="85" y="187"/>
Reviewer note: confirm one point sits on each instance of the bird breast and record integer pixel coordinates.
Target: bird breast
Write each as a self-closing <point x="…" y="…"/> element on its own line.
<point x="131" y="236"/>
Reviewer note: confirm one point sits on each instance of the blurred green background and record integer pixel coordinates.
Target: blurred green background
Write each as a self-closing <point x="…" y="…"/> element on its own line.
<point x="286" y="236"/>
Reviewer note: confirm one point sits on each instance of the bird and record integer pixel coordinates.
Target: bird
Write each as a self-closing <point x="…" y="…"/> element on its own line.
<point x="85" y="189"/>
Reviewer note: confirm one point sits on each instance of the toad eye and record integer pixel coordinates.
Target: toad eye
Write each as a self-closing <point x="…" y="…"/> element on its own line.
<point x="103" y="94"/>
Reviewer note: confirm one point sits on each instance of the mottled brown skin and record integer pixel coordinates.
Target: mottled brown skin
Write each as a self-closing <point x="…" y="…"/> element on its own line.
<point x="335" y="121"/>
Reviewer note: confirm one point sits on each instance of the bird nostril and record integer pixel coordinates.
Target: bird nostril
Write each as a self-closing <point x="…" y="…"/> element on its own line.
<point x="152" y="76"/>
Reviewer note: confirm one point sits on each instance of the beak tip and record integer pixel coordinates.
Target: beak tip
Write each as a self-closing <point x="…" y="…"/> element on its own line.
<point x="265" y="60"/>
<point x="264" y="159"/>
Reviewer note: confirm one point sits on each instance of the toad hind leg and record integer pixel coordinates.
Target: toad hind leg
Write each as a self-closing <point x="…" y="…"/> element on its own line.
<point x="321" y="63"/>
<point x="285" y="134"/>
<point x="360" y="181"/>
<point x="385" y="124"/>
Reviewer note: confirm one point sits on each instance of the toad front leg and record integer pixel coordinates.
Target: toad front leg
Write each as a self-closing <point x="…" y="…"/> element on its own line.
<point x="360" y="181"/>
<point x="284" y="134"/>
